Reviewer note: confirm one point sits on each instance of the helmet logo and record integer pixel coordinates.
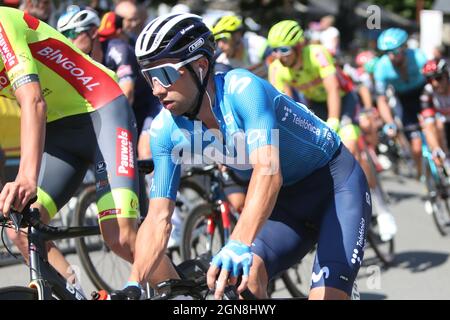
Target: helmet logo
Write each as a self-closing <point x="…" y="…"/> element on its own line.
<point x="196" y="45"/>
<point x="186" y="29"/>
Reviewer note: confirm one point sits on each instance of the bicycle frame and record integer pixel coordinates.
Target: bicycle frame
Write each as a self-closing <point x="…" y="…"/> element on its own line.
<point x="221" y="206"/>
<point x="43" y="277"/>
<point x="427" y="160"/>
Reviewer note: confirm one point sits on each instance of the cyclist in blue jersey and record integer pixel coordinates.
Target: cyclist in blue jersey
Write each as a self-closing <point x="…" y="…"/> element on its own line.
<point x="400" y="68"/>
<point x="305" y="186"/>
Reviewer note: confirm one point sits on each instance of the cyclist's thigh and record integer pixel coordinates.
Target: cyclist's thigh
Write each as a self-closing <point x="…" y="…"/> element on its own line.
<point x="292" y="229"/>
<point x="281" y="244"/>
<point x="116" y="172"/>
<point x="62" y="166"/>
<point x="350" y="107"/>
<point x="343" y="229"/>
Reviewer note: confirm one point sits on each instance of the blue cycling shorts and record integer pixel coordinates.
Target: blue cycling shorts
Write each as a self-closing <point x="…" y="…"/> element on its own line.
<point x="330" y="208"/>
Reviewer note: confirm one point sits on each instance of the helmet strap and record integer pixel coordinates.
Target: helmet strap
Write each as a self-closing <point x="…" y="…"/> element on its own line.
<point x="192" y="115"/>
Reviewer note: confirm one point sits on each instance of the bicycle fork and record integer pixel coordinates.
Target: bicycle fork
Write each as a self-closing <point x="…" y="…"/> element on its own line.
<point x="225" y="211"/>
<point x="39" y="272"/>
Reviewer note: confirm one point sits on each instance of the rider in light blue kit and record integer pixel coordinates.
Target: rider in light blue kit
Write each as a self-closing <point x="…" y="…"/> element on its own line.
<point x="305" y="186"/>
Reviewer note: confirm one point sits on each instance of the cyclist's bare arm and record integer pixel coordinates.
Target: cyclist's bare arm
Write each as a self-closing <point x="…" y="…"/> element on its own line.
<point x="384" y="109"/>
<point x="33" y="121"/>
<point x="366" y="96"/>
<point x="262" y="193"/>
<point x="429" y="127"/>
<point x="127" y="87"/>
<point x="331" y="85"/>
<point x="431" y="134"/>
<point x="151" y="263"/>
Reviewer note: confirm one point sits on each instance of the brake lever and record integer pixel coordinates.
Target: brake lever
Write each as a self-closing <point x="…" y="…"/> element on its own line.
<point x="16" y="219"/>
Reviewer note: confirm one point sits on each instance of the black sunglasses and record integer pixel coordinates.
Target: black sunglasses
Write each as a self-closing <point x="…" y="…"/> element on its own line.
<point x="437" y="77"/>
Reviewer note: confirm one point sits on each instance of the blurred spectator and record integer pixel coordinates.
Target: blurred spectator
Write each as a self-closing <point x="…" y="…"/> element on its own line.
<point x="132" y="22"/>
<point x="41" y="9"/>
<point x="329" y="35"/>
<point x="313" y="32"/>
<point x="101" y="6"/>
<point x="180" y="8"/>
<point x="439" y="52"/>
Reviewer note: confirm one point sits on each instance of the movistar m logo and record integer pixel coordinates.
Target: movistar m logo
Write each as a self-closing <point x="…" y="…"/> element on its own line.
<point x="237" y="85"/>
<point x="186" y="29"/>
<point x="325" y="272"/>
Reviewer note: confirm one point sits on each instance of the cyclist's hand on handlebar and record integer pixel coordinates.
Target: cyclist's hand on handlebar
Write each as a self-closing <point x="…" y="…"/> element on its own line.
<point x="390" y="129"/>
<point x="438" y="156"/>
<point x="233" y="260"/>
<point x="17" y="194"/>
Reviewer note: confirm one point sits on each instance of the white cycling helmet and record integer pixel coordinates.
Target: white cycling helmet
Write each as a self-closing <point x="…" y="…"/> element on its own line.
<point x="77" y="19"/>
<point x="176" y="35"/>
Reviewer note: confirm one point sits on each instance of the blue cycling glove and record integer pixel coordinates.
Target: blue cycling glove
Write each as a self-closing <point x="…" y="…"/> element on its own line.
<point x="235" y="257"/>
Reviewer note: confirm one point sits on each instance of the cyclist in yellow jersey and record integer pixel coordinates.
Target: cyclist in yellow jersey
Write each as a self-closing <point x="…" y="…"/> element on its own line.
<point x="310" y="69"/>
<point x="73" y="114"/>
<point x="239" y="48"/>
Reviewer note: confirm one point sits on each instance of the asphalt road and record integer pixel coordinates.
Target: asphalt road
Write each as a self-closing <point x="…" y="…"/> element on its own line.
<point x="420" y="271"/>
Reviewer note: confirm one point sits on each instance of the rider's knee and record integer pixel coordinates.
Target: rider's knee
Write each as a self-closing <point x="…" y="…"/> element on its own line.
<point x="237" y="200"/>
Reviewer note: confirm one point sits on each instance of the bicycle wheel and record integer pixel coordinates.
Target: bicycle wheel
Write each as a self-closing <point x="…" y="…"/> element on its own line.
<point x="195" y="240"/>
<point x="18" y="293"/>
<point x="384" y="250"/>
<point x="297" y="278"/>
<point x="104" y="268"/>
<point x="190" y="195"/>
<point x="439" y="200"/>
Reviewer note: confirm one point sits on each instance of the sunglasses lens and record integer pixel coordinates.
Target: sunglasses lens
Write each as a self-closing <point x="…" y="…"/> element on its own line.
<point x="395" y="51"/>
<point x="284" y="51"/>
<point x="71" y="34"/>
<point x="436" y="77"/>
<point x="166" y="76"/>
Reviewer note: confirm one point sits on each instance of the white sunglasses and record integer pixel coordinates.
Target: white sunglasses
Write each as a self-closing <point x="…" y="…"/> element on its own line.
<point x="166" y="74"/>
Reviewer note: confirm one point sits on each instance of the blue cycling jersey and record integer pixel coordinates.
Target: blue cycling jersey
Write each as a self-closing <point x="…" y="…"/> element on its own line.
<point x="385" y="74"/>
<point x="251" y="113"/>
